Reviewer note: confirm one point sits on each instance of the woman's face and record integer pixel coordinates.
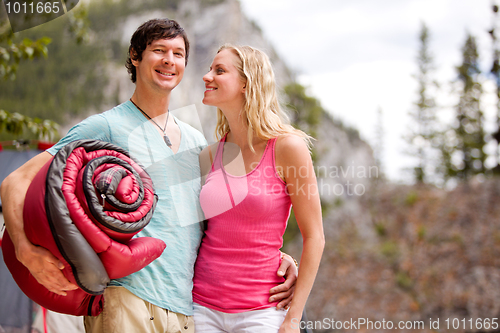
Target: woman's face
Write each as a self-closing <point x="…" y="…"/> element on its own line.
<point x="224" y="86"/>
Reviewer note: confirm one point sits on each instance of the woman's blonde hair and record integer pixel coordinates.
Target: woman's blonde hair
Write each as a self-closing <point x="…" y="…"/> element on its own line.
<point x="261" y="112"/>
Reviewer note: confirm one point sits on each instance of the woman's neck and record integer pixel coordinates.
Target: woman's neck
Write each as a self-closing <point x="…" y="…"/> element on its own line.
<point x="240" y="138"/>
<point x="238" y="129"/>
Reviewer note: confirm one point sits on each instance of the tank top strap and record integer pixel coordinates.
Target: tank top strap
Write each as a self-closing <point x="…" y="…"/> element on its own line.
<point x="269" y="159"/>
<point x="217" y="164"/>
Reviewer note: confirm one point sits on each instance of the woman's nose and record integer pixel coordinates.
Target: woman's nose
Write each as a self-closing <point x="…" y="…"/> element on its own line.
<point x="207" y="77"/>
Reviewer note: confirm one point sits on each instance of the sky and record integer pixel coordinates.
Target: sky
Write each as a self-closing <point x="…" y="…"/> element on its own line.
<point x="358" y="56"/>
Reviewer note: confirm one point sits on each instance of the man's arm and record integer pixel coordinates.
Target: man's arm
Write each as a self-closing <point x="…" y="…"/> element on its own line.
<point x="284" y="291"/>
<point x="44" y="266"/>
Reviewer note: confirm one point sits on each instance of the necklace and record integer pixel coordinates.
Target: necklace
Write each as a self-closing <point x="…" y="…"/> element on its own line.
<point x="165" y="137"/>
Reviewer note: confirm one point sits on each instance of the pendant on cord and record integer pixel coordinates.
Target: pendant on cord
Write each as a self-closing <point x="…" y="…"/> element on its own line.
<point x="167" y="140"/>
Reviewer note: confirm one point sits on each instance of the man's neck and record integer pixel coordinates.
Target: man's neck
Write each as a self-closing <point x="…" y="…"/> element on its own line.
<point x="154" y="104"/>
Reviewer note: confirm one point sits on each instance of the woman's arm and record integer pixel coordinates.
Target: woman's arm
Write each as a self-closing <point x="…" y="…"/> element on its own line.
<point x="294" y="162"/>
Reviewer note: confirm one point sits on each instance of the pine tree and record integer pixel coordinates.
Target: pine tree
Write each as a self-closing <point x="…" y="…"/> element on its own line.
<point x="495" y="70"/>
<point x="423" y="119"/>
<point x="468" y="129"/>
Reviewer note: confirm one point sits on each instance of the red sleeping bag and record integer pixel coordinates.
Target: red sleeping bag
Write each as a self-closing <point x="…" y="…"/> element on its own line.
<point x="84" y="206"/>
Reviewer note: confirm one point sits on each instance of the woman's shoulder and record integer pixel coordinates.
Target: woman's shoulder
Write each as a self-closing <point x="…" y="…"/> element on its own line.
<point x="291" y="151"/>
<point x="290" y="143"/>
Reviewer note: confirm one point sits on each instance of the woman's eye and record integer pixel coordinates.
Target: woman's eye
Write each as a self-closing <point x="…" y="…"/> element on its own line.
<point x="220" y="70"/>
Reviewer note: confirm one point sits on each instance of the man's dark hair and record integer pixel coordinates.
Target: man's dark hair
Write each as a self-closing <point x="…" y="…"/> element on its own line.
<point x="147" y="33"/>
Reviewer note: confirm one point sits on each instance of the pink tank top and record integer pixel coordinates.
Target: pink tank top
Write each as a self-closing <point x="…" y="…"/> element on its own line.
<point x="239" y="255"/>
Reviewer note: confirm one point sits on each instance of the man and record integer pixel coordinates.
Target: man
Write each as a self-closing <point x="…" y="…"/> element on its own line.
<point x="158" y="297"/>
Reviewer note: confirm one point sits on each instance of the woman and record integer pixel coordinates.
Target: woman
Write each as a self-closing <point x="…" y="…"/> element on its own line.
<point x="259" y="169"/>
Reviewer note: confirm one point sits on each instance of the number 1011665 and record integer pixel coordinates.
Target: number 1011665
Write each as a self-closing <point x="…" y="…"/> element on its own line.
<point x="28" y="7"/>
<point x="470" y="324"/>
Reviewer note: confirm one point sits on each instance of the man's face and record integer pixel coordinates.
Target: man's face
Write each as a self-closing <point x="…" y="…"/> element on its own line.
<point x="162" y="65"/>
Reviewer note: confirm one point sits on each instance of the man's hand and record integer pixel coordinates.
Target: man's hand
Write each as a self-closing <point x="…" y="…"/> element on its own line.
<point x="284" y="291"/>
<point x="289" y="327"/>
<point x="45" y="268"/>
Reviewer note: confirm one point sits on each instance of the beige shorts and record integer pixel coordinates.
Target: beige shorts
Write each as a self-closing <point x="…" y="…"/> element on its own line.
<point x="123" y="312"/>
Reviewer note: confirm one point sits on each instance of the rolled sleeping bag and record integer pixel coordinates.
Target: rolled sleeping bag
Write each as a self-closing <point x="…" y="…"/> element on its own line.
<point x="84" y="206"/>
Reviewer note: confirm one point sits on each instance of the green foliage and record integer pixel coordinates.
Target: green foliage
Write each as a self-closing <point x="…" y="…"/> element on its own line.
<point x="495" y="70"/>
<point x="421" y="232"/>
<point x="403" y="280"/>
<point x="79" y="24"/>
<point x="337" y="203"/>
<point x="12" y="53"/>
<point x="292" y="229"/>
<point x="307" y="109"/>
<point x="411" y="198"/>
<point x="66" y="83"/>
<point x="390" y="250"/>
<point x="458" y="239"/>
<point x="17" y="95"/>
<point x="380" y="229"/>
<point x="18" y="124"/>
<point x="211" y="2"/>
<point x="423" y="119"/>
<point x="467" y="137"/>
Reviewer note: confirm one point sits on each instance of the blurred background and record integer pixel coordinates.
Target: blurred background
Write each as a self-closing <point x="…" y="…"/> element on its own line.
<point x="402" y="97"/>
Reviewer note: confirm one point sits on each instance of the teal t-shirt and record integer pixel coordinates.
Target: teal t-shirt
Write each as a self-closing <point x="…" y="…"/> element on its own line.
<point x="167" y="282"/>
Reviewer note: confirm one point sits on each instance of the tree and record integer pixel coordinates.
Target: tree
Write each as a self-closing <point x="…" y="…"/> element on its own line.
<point x="305" y="110"/>
<point x="495" y="70"/>
<point x="423" y="119"/>
<point x="12" y="54"/>
<point x="466" y="156"/>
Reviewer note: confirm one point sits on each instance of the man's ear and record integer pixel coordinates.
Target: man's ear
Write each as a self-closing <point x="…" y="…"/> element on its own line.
<point x="134" y="57"/>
